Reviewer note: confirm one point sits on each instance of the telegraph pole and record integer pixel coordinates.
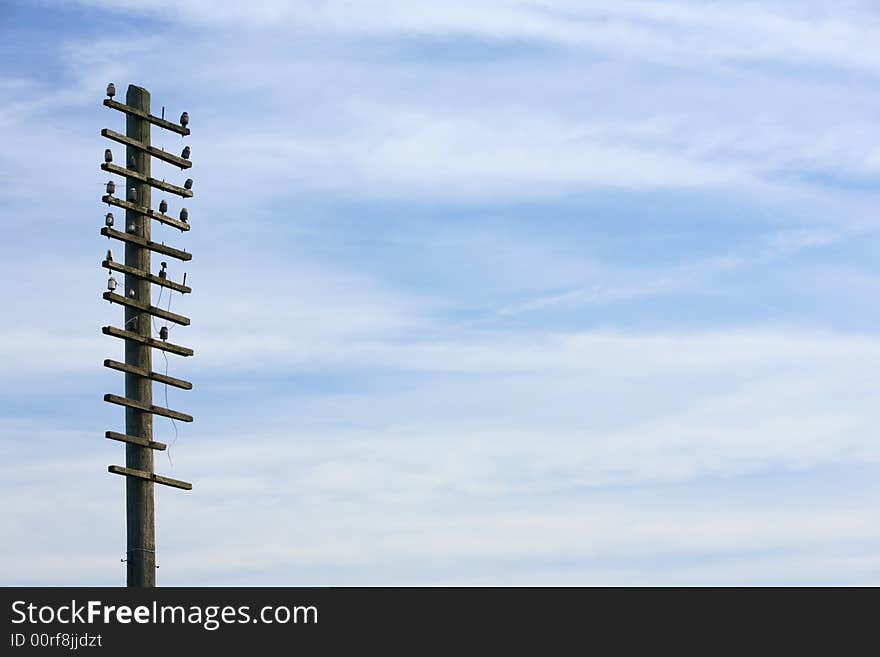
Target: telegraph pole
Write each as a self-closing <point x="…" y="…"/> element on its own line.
<point x="137" y="332"/>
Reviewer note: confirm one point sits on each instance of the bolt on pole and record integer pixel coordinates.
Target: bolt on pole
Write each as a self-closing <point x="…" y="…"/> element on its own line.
<point x="137" y="330"/>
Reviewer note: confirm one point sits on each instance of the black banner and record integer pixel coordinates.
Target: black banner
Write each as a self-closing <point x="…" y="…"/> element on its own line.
<point x="172" y="621"/>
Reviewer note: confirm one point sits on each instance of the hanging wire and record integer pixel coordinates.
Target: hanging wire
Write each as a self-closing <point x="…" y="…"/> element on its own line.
<point x="173" y="423"/>
<point x="169" y="307"/>
<point x="165" y="356"/>
<point x="158" y="301"/>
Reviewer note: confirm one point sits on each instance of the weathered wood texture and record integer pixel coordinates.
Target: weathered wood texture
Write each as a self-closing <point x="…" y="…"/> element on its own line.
<point x="146" y="179"/>
<point x="155" y="280"/>
<point x="146" y="243"/>
<point x="149" y="476"/>
<point x="147" y="308"/>
<point x="147" y="408"/>
<point x="140" y="508"/>
<point x="154" y="376"/>
<point x="158" y="153"/>
<point x="135" y="440"/>
<point x="152" y="342"/>
<point x="155" y="120"/>
<point x="158" y="216"/>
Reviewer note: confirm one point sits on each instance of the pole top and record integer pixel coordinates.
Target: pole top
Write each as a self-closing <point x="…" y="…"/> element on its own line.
<point x="136" y="96"/>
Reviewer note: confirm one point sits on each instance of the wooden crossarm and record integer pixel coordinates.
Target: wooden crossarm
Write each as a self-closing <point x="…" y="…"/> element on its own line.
<point x="152" y="182"/>
<point x="145" y="307"/>
<point x="150" y="476"/>
<point x="147" y="244"/>
<point x="152" y="342"/>
<point x="158" y="153"/>
<point x="147" y="212"/>
<point x="135" y="440"/>
<point x="148" y="408"/>
<point x="155" y="376"/>
<point x="156" y="280"/>
<point x="155" y="120"/>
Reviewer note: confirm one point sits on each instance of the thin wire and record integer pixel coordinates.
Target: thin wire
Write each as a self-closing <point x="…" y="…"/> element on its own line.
<point x="169" y="310"/>
<point x="158" y="301"/>
<point x="173" y="423"/>
<point x="165" y="356"/>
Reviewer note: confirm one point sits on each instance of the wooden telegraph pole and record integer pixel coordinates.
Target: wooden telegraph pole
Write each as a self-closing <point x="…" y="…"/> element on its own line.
<point x="137" y="331"/>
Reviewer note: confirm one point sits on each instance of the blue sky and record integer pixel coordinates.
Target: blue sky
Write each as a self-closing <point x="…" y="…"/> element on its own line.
<point x="496" y="292"/>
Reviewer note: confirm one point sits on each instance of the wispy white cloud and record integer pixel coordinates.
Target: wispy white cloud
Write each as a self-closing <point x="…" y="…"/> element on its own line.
<point x="429" y="449"/>
<point x="610" y="283"/>
<point x="442" y="502"/>
<point x="759" y="31"/>
<point x="420" y="128"/>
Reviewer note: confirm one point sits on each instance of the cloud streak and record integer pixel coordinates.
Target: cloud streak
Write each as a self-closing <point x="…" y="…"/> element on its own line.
<point x="499" y="292"/>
